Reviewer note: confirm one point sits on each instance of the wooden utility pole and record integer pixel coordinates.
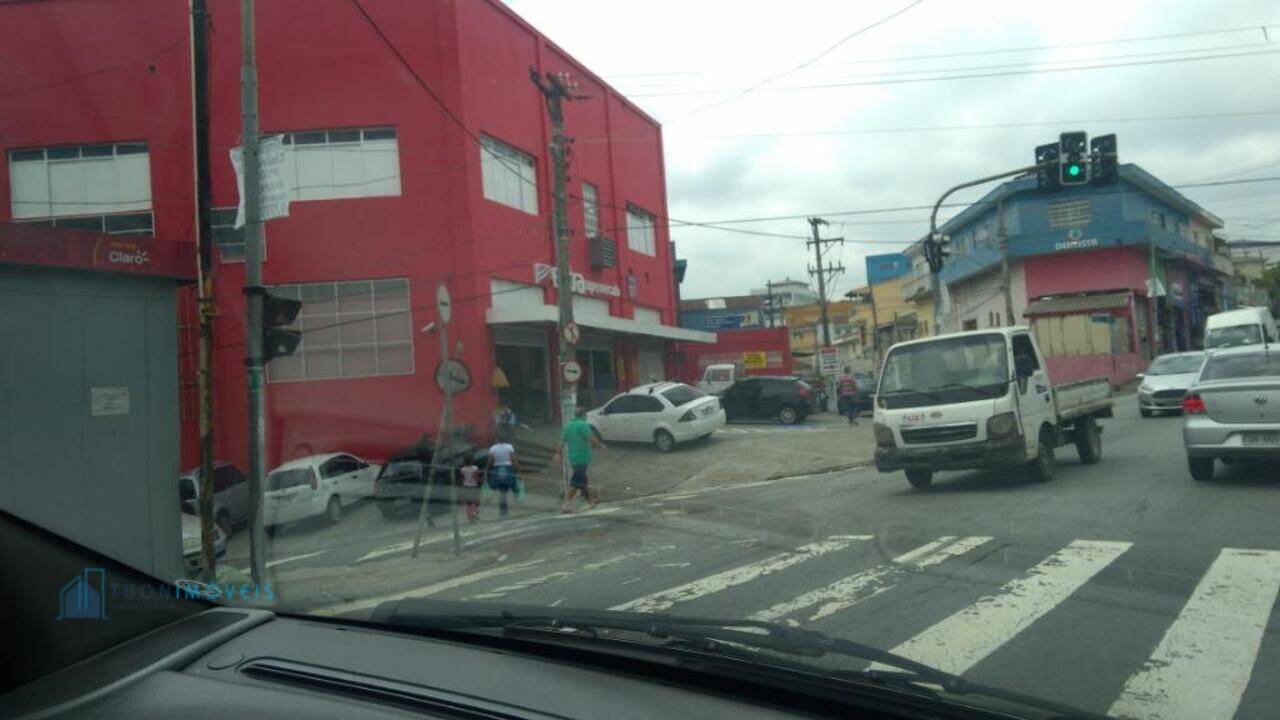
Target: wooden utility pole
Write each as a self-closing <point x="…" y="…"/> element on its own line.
<point x="823" y="272"/>
<point x="205" y="308"/>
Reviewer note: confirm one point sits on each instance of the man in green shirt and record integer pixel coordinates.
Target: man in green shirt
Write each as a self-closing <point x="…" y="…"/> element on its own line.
<point x="578" y="437"/>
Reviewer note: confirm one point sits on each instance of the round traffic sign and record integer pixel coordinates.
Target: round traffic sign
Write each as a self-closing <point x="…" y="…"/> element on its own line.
<point x="454" y="376"/>
<point x="571" y="371"/>
<point x="571" y="333"/>
<point x="444" y="303"/>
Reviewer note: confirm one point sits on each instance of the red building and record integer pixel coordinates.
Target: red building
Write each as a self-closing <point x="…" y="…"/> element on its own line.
<point x="403" y="176"/>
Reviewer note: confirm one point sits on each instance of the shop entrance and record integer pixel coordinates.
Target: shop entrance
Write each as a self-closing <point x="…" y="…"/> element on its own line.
<point x="522" y="355"/>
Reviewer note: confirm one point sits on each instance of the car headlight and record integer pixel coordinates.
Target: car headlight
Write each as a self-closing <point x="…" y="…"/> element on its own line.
<point x="1002" y="425"/>
<point x="884" y="435"/>
<point x="1145" y="389"/>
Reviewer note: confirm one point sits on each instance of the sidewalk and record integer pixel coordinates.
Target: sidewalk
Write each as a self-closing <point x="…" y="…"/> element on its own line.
<point x="739" y="453"/>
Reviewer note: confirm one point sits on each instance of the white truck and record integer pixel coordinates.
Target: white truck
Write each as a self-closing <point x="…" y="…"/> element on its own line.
<point x="717" y="378"/>
<point x="981" y="399"/>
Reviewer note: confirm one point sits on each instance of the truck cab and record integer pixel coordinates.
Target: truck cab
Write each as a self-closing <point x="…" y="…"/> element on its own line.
<point x="717" y="378"/>
<point x="980" y="399"/>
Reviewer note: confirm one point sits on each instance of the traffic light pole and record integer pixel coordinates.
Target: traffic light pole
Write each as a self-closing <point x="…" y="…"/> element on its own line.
<point x="253" y="290"/>
<point x="935" y="266"/>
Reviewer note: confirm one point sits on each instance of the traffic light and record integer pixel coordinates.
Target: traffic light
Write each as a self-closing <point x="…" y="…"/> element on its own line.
<point x="1104" y="160"/>
<point x="936" y="251"/>
<point x="277" y="314"/>
<point x="1073" y="159"/>
<point x="1047" y="166"/>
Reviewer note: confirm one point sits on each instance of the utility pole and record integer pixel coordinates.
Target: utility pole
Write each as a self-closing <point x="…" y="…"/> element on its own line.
<point x="768" y="288"/>
<point x="555" y="88"/>
<point x="1005" y="276"/>
<point x="253" y="290"/>
<point x="205" y="308"/>
<point x="822" y="273"/>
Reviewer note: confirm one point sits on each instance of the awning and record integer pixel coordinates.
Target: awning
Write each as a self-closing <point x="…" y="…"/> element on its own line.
<point x="38" y="244"/>
<point x="551" y="314"/>
<point x="1077" y="304"/>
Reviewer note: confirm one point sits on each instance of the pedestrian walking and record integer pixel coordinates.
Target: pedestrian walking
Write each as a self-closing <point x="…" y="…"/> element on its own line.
<point x="847" y="401"/>
<point x="500" y="470"/>
<point x="504" y="423"/>
<point x="470" y="487"/>
<point x="578" y="438"/>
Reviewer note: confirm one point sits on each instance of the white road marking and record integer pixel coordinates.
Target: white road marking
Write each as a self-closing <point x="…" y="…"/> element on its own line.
<point x="961" y="641"/>
<point x="504" y="590"/>
<point x="657" y="602"/>
<point x="1202" y="665"/>
<point x="282" y="561"/>
<point x="474" y="536"/>
<point x="671" y="565"/>
<point x="372" y="602"/>
<point x="854" y="589"/>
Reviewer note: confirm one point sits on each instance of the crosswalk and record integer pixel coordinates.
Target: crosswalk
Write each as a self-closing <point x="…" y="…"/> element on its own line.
<point x="1201" y="667"/>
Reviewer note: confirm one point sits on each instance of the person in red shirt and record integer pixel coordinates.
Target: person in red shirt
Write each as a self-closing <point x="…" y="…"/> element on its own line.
<point x="847" y="401"/>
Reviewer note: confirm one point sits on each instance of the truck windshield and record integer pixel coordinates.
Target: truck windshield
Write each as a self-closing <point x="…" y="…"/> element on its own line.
<point x="1233" y="335"/>
<point x="956" y="369"/>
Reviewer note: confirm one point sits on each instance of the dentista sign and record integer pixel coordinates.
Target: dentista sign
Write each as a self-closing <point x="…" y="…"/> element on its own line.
<point x="580" y="284"/>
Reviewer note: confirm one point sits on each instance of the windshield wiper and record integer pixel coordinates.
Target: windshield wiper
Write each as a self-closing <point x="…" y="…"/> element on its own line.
<point x="704" y="635"/>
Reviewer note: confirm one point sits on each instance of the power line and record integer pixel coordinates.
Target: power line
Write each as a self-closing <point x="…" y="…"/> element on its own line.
<point x="751" y="88"/>
<point x="1030" y="71"/>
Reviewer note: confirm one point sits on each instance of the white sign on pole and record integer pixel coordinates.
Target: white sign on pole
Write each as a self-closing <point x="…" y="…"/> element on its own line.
<point x="572" y="371"/>
<point x="571" y="333"/>
<point x="275" y="191"/>
<point x="444" y="303"/>
<point x="828" y="361"/>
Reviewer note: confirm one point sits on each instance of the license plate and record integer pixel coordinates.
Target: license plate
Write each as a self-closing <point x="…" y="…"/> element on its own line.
<point x="1261" y="438"/>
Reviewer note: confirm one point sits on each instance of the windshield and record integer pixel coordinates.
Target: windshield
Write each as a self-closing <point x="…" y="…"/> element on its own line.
<point x="1233" y="335"/>
<point x="1176" y="365"/>
<point x="548" y="304"/>
<point x="966" y="367"/>
<point x="1253" y="365"/>
<point x="682" y="395"/>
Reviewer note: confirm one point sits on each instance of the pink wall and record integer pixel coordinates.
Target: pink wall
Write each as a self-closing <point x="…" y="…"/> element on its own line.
<point x="1073" y="272"/>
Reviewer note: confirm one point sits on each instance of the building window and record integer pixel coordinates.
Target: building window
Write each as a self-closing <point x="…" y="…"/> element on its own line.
<point x="351" y="163"/>
<point x="590" y="209"/>
<point x="229" y="238"/>
<point x="648" y="315"/>
<point x="508" y="175"/>
<point x="349" y="329"/>
<point x="1070" y="213"/>
<point x="640" y="231"/>
<point x="142" y="223"/>
<point x="80" y="180"/>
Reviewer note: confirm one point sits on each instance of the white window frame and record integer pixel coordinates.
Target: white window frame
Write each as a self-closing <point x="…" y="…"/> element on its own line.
<point x="508" y="175"/>
<point x="66" y="181"/>
<point x="313" y="322"/>
<point x="590" y="209"/>
<point x="331" y="164"/>
<point x="641" y="234"/>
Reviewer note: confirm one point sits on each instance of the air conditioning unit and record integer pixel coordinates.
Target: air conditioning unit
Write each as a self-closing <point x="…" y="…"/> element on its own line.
<point x="603" y="252"/>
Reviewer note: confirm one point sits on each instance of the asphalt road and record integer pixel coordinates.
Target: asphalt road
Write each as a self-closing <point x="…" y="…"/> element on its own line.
<point x="1123" y="587"/>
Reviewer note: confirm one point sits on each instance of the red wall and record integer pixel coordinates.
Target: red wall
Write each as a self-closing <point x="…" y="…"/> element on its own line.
<point x="693" y="357"/>
<point x="1073" y="272"/>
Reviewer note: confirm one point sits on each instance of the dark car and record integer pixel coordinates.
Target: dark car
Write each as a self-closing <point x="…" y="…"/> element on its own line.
<point x="230" y="496"/>
<point x="787" y="399"/>
<point x="401" y="484"/>
<point x="866" y="391"/>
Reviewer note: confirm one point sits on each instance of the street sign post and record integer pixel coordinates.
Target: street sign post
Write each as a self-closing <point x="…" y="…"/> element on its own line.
<point x="828" y="361"/>
<point x="571" y="333"/>
<point x="451" y="376"/>
<point x="571" y="372"/>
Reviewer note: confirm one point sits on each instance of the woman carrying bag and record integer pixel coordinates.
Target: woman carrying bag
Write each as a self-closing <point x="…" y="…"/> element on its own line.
<point x="501" y="468"/>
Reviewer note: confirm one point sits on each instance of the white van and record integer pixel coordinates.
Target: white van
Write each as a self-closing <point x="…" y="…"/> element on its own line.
<point x="1245" y="326"/>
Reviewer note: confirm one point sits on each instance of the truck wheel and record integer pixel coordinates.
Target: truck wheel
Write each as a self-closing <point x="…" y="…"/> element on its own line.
<point x="1201" y="469"/>
<point x="1089" y="441"/>
<point x="919" y="478"/>
<point x="1041" y="468"/>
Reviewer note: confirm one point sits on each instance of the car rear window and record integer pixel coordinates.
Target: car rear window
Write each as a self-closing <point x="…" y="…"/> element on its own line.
<point x="1242" y="366"/>
<point x="1175" y="365"/>
<point x="682" y="394"/>
<point x="1233" y="335"/>
<point x="285" y="479"/>
<point x="397" y="468"/>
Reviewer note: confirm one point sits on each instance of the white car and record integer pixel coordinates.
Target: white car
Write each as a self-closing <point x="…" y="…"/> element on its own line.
<point x="319" y="485"/>
<point x="191" y="543"/>
<point x="663" y="413"/>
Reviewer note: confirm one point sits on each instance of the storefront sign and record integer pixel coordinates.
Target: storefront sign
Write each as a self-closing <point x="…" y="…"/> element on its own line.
<point x="33" y="244"/>
<point x="108" y="401"/>
<point x="1075" y="244"/>
<point x="1177" y="292"/>
<point x="828" y="361"/>
<point x="755" y="360"/>
<point x="580" y="284"/>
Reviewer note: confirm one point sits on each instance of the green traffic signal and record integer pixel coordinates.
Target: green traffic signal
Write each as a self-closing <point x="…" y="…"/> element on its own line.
<point x="1073" y="170"/>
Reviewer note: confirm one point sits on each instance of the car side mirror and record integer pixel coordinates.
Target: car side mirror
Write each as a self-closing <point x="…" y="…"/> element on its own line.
<point x="1023" y="366"/>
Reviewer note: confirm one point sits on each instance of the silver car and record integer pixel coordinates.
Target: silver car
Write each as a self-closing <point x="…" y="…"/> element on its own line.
<point x="1166" y="380"/>
<point x="1232" y="411"/>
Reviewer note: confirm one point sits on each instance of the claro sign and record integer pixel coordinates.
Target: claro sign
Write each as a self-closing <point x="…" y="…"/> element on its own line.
<point x="128" y="253"/>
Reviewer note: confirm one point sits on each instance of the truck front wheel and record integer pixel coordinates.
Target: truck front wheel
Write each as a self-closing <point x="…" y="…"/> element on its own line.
<point x="1041" y="468"/>
<point x="919" y="478"/>
<point x="1089" y="441"/>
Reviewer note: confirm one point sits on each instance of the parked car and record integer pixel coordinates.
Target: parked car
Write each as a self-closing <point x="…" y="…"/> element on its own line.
<point x="1232" y="411"/>
<point x="402" y="483"/>
<point x="1242" y="326"/>
<point x="191" y="542"/>
<point x="1166" y="380"/>
<point x="663" y="413"/>
<point x="786" y="399"/>
<point x="316" y="486"/>
<point x="866" y="391"/>
<point x="230" y="496"/>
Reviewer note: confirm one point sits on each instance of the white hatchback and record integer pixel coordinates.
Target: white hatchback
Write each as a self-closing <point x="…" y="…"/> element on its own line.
<point x="663" y="413"/>
<point x="318" y="485"/>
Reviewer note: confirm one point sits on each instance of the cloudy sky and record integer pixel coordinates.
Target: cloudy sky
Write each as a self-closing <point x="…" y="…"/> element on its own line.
<point x="832" y="124"/>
